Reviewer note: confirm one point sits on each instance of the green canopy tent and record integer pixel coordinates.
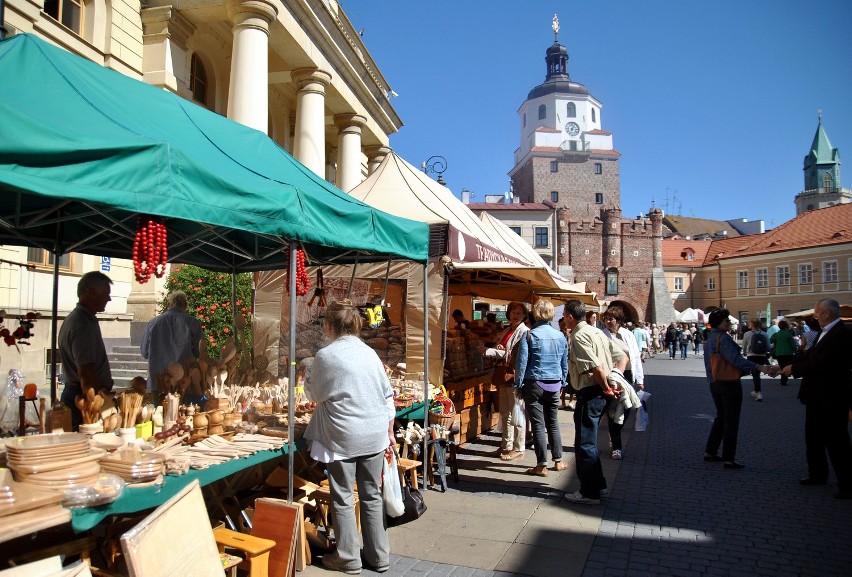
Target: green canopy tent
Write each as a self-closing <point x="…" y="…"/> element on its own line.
<point x="85" y="150"/>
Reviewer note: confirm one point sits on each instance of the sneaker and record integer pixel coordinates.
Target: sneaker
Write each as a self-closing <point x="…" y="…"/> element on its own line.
<point x="378" y="568"/>
<point x="616" y="455"/>
<point x="578" y="498"/>
<point x="332" y="561"/>
<point x="754" y="395"/>
<point x="758" y="397"/>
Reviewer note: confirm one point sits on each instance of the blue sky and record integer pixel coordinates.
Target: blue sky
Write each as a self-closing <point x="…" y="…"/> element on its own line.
<point x="713" y="104"/>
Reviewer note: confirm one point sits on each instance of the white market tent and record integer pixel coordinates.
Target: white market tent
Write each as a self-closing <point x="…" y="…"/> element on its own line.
<point x="691" y="315"/>
<point x="470" y="257"/>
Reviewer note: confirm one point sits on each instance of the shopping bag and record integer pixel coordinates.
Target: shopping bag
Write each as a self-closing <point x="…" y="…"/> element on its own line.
<point x="391" y="490"/>
<point x="519" y="418"/>
<point x="642" y="416"/>
<point x="415" y="506"/>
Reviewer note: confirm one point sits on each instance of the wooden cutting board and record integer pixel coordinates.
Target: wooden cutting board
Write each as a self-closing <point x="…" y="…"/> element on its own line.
<point x="26" y="496"/>
<point x="278" y="520"/>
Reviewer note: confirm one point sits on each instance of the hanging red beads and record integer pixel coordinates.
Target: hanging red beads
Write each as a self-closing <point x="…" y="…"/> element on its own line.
<point x="150" y="250"/>
<point x="303" y="282"/>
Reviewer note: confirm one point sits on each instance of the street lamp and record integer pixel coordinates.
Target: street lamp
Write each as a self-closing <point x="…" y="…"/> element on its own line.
<point x="435" y="164"/>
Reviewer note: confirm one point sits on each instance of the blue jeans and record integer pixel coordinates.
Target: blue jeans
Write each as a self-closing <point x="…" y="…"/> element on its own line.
<point x="672" y="347"/>
<point x="683" y="347"/>
<point x="728" y="398"/>
<point x="591" y="404"/>
<point x="542" y="411"/>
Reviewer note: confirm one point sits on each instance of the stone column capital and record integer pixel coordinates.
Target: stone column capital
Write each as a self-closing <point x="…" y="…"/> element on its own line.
<point x="256" y="14"/>
<point x="349" y="123"/>
<point x="377" y="151"/>
<point x="311" y="80"/>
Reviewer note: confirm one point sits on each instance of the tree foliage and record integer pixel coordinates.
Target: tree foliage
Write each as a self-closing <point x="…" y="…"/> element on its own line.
<point x="209" y="297"/>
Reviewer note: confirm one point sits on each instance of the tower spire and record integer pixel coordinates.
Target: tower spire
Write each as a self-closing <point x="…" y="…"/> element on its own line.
<point x="555" y="26"/>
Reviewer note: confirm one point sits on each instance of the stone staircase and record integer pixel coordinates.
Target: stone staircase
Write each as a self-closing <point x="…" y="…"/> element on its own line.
<point x="126" y="363"/>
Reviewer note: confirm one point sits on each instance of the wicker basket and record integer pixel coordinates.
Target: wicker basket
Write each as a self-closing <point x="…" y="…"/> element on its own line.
<point x="444" y="419"/>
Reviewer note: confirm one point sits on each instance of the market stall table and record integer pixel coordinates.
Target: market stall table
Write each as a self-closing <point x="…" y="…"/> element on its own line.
<point x="135" y="500"/>
<point x="416" y="412"/>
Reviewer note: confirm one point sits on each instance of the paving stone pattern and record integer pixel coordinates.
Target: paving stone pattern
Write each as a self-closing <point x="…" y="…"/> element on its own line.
<point x="668" y="513"/>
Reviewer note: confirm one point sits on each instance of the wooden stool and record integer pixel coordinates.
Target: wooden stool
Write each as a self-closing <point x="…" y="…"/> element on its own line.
<point x="322" y="497"/>
<point x="255" y="549"/>
<point x="408" y="466"/>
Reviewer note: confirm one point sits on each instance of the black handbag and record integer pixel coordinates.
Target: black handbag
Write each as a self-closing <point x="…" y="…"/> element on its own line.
<point x="415" y="506"/>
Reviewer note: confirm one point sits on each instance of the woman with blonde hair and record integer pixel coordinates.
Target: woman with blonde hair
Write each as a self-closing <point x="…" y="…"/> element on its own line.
<point x="541" y="370"/>
<point x="512" y="443"/>
<point x="352" y="432"/>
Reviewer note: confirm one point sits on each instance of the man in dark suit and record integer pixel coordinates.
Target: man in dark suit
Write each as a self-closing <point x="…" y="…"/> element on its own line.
<point x="826" y="392"/>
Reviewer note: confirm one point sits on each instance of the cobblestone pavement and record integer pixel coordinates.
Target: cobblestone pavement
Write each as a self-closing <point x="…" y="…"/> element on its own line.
<point x="669" y="512"/>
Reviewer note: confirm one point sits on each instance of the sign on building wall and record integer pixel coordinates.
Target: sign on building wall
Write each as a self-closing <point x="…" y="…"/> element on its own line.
<point x="106" y="263"/>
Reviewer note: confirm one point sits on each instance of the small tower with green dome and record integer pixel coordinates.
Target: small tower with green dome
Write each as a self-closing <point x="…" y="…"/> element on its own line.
<point x="822" y="175"/>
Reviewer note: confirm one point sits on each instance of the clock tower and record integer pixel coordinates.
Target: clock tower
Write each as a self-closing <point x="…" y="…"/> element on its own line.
<point x="565" y="156"/>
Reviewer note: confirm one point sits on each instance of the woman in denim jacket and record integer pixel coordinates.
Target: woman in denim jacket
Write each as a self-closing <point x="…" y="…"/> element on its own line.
<point x="540" y="372"/>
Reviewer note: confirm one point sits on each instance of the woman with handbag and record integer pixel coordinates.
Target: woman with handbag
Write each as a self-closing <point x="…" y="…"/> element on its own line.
<point x="724" y="365"/>
<point x="352" y="432"/>
<point x="503" y="377"/>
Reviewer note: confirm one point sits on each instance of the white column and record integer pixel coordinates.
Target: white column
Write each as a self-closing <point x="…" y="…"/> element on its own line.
<point x="375" y="156"/>
<point x="309" y="137"/>
<point x="348" y="150"/>
<point x="248" y="101"/>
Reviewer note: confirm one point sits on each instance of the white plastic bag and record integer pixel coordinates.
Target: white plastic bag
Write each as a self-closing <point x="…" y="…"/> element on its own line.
<point x="642" y="417"/>
<point x="519" y="418"/>
<point x="392" y="490"/>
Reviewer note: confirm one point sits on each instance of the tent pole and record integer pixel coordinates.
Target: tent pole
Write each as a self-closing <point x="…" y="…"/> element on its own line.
<point x="2" y="20"/>
<point x="385" y="289"/>
<point x="54" y="321"/>
<point x="425" y="367"/>
<point x="291" y="373"/>
<point x="352" y="279"/>
<point x="234" y="304"/>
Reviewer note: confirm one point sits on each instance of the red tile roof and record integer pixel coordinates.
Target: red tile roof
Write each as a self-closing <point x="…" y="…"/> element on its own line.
<point x="602" y="152"/>
<point x="823" y="227"/>
<point x="546" y="149"/>
<point x="599" y="131"/>
<point x="508" y="206"/>
<point x="675" y="252"/>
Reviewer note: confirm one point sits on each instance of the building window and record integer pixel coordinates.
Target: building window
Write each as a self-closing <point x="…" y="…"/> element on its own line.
<point x="541" y="237"/>
<point x="829" y="271"/>
<point x="826" y="182"/>
<point x="598" y="198"/>
<point x="761" y="276"/>
<point x="525" y="119"/>
<point x="742" y="279"/>
<point x="542" y="112"/>
<point x="198" y="80"/>
<point x="806" y="274"/>
<point x="594" y="115"/>
<point x="711" y="284"/>
<point x="41" y="257"/>
<point x="572" y="145"/>
<point x="572" y="110"/>
<point x="554" y="166"/>
<point x="598" y="168"/>
<point x="554" y="196"/>
<point x="678" y="284"/>
<point x="516" y="230"/>
<point x="68" y="12"/>
<point x="849" y="269"/>
<point x="782" y="275"/>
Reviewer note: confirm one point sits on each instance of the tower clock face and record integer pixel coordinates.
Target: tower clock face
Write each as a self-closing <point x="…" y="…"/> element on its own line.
<point x="572" y="128"/>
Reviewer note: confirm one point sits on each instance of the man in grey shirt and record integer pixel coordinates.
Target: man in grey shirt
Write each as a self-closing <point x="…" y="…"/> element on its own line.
<point x="172" y="336"/>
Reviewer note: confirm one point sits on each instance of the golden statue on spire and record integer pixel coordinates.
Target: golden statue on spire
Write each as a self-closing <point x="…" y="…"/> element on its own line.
<point x="555" y="27"/>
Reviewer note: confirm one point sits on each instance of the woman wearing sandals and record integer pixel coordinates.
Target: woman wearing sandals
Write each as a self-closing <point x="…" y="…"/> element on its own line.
<point x="540" y="372"/>
<point x="512" y="444"/>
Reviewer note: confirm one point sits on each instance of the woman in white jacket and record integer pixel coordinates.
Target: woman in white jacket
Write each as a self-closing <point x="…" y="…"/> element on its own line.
<point x="512" y="444"/>
<point x="633" y="373"/>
